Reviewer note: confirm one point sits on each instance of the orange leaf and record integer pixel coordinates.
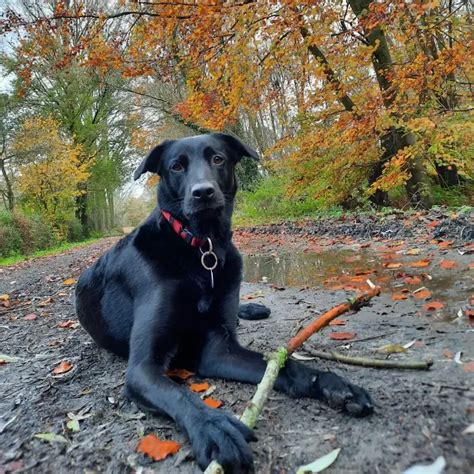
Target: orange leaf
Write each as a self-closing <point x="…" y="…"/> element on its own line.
<point x="212" y="402"/>
<point x="433" y="306"/>
<point x="342" y="336"/>
<point x="392" y="265"/>
<point x="420" y="263"/>
<point x="30" y="317"/>
<point x="156" y="448"/>
<point x="412" y="280"/>
<point x="445" y="244"/>
<point x="69" y="282"/>
<point x="182" y="374"/>
<point x="448" y="354"/>
<point x="63" y="367"/>
<point x="469" y="367"/>
<point x="422" y="294"/>
<point x="337" y="322"/>
<point x="471" y="266"/>
<point x="199" y="387"/>
<point x="399" y="297"/>
<point x="448" y="264"/>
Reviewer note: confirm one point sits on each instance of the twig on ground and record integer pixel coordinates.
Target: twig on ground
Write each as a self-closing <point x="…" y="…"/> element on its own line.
<point x="367" y="362"/>
<point x="276" y="360"/>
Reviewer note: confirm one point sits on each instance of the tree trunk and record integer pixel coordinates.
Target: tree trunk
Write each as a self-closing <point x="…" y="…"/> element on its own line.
<point x="81" y="213"/>
<point x="417" y="187"/>
<point x="9" y="187"/>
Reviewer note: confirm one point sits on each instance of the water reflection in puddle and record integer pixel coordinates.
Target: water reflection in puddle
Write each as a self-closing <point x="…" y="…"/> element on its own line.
<point x="340" y="268"/>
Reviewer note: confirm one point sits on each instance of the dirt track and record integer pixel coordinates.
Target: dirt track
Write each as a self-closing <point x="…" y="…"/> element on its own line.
<point x="420" y="414"/>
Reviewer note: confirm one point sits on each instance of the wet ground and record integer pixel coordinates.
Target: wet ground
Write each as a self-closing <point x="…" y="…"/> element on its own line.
<point x="299" y="272"/>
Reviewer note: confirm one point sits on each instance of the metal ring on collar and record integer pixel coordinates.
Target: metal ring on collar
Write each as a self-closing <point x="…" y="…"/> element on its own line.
<point x="203" y="263"/>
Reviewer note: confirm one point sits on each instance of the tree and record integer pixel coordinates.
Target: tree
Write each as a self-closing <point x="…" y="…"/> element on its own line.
<point x="50" y="171"/>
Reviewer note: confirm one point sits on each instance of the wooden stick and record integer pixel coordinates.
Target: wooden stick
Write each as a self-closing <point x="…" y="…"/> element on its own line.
<point x="327" y="317"/>
<point x="367" y="362"/>
<point x="276" y="360"/>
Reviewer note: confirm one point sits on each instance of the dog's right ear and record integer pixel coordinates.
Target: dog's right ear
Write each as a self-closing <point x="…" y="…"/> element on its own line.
<point x="152" y="161"/>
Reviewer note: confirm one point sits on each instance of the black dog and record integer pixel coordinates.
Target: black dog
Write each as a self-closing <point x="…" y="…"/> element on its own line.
<point x="167" y="295"/>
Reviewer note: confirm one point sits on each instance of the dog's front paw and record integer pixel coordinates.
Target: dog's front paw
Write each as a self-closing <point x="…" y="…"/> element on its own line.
<point x="339" y="393"/>
<point x="220" y="436"/>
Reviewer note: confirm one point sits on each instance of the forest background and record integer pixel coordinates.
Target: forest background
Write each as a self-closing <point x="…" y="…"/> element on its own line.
<point x="354" y="105"/>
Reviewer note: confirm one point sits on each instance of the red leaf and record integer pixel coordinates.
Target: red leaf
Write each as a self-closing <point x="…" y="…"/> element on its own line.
<point x="469" y="367"/>
<point x="433" y="306"/>
<point x="342" y="336"/>
<point x="63" y="367"/>
<point x="212" y="402"/>
<point x="448" y="264"/>
<point x="422" y="294"/>
<point x="156" y="448"/>
<point x="199" y="387"/>
<point x="69" y="324"/>
<point x="412" y="280"/>
<point x="337" y="322"/>
<point x="399" y="297"/>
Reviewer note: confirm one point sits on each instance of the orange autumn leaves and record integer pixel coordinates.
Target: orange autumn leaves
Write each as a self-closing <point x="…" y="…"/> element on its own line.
<point x="159" y="449"/>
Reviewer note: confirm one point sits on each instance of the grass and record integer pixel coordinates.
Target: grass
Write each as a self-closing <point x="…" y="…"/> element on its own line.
<point x="43" y="253"/>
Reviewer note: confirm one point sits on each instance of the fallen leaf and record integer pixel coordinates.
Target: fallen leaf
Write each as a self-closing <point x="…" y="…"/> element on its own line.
<point x="252" y="296"/>
<point x="63" y="367"/>
<point x="409" y="344"/>
<point x="337" y="322"/>
<point x="469" y="429"/>
<point x="433" y="306"/>
<point x="471" y="266"/>
<point x="436" y="468"/>
<point x="276" y="287"/>
<point x="320" y="464"/>
<point x="4" y="297"/>
<point x="30" y="317"/>
<point x="413" y="252"/>
<point x="157" y="449"/>
<point x="212" y="402"/>
<point x="69" y="324"/>
<point x="469" y="366"/>
<point x="448" y="354"/>
<point x="73" y="423"/>
<point x="342" y="336"/>
<point x="420" y="263"/>
<point x="45" y="302"/>
<point x="445" y="244"/>
<point x="412" y="280"/>
<point x="448" y="264"/>
<point x="399" y="297"/>
<point x="392" y="265"/>
<point x="181" y="374"/>
<point x="391" y="349"/>
<point x="199" y="387"/>
<point x="3" y="361"/>
<point x="51" y="437"/>
<point x="298" y="356"/>
<point x="423" y="294"/>
<point x="69" y="282"/>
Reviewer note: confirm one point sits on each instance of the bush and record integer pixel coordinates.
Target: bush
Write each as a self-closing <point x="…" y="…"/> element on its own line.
<point x="10" y="236"/>
<point x="270" y="202"/>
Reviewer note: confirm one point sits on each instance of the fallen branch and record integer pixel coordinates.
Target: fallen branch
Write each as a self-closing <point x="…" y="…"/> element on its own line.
<point x="367" y="362"/>
<point x="276" y="360"/>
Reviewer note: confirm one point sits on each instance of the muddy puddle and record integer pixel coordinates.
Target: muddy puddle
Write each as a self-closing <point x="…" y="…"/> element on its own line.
<point x="344" y="269"/>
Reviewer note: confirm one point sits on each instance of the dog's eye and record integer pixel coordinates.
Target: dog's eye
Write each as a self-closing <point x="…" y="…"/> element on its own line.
<point x="217" y="160"/>
<point x="177" y="167"/>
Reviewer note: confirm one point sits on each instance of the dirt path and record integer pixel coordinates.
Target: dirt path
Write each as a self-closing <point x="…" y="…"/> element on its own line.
<point x="419" y="416"/>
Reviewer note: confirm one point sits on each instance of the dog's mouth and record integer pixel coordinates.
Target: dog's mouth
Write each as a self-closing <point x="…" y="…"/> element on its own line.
<point x="204" y="212"/>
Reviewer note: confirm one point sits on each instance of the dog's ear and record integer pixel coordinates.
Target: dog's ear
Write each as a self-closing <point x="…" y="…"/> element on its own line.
<point x="152" y="161"/>
<point x="239" y="148"/>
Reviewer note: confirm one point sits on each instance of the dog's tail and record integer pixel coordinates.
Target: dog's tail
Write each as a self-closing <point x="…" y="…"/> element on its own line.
<point x="253" y="311"/>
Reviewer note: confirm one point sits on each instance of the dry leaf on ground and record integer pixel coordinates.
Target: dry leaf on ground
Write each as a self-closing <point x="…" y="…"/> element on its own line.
<point x="157" y="449"/>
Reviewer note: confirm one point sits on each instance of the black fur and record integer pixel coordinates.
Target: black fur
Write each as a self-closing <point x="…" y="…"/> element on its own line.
<point x="149" y="299"/>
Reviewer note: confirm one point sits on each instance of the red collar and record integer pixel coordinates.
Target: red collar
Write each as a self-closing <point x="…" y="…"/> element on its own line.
<point x="183" y="232"/>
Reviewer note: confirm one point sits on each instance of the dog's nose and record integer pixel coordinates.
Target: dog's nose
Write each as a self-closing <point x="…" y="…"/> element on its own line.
<point x="203" y="191"/>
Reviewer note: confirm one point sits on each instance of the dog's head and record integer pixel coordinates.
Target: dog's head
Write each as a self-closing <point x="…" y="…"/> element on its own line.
<point x="197" y="173"/>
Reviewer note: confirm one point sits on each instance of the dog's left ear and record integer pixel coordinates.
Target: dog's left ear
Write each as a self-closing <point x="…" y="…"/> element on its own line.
<point x="152" y="161"/>
<point x="239" y="148"/>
